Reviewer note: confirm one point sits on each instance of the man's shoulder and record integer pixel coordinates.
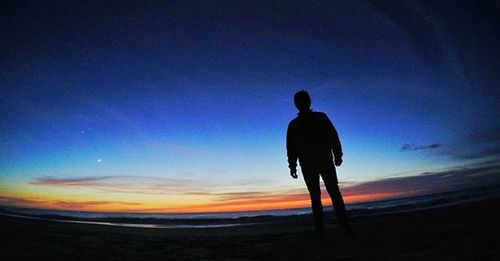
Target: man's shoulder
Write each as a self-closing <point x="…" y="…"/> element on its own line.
<point x="293" y="121"/>
<point x="312" y="114"/>
<point x="319" y="115"/>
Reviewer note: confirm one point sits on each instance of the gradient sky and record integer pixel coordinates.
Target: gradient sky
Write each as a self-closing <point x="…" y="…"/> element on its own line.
<point x="181" y="106"/>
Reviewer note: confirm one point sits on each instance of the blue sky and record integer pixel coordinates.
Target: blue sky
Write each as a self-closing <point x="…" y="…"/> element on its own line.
<point x="202" y="92"/>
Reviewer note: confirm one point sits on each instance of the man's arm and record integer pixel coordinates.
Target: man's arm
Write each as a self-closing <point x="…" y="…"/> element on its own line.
<point x="291" y="150"/>
<point x="334" y="142"/>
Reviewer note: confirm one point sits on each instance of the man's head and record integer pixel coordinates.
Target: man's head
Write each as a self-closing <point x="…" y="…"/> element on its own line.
<point x="302" y="101"/>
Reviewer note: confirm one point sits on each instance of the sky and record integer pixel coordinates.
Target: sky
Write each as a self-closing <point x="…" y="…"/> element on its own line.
<point x="182" y="106"/>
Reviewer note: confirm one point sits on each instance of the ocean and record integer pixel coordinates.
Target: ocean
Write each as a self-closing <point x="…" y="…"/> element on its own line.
<point x="227" y="219"/>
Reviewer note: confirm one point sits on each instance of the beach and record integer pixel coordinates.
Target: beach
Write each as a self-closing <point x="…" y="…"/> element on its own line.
<point x="466" y="231"/>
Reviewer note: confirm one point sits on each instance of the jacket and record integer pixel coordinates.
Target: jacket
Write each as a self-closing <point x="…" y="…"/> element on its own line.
<point x="311" y="138"/>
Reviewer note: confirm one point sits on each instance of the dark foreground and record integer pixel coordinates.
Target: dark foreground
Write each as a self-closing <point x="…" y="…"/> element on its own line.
<point x="468" y="231"/>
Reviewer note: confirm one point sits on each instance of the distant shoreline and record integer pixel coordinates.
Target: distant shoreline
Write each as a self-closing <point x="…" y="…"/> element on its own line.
<point x="464" y="231"/>
<point x="407" y="205"/>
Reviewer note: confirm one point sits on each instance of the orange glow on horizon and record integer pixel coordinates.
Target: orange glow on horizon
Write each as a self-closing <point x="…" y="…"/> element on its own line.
<point x="264" y="202"/>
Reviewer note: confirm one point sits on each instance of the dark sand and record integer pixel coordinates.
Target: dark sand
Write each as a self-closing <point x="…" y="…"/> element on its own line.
<point x="469" y="231"/>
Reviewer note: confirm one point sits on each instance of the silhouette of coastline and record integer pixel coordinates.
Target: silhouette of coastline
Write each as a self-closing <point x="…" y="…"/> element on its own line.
<point x="467" y="231"/>
<point x="205" y="220"/>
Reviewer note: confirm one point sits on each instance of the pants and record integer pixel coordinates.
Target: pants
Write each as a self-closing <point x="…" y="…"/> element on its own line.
<point x="329" y="175"/>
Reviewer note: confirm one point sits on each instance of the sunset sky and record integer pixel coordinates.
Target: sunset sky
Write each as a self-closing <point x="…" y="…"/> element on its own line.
<point x="182" y="106"/>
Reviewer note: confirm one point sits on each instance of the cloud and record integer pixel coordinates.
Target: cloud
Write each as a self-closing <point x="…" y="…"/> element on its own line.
<point x="248" y="201"/>
<point x="82" y="181"/>
<point x="257" y="196"/>
<point x="411" y="147"/>
<point x="64" y="204"/>
<point x="432" y="182"/>
<point x="6" y="200"/>
<point x="462" y="177"/>
<point x="122" y="184"/>
<point x="471" y="175"/>
<point x="148" y="185"/>
<point x="68" y="204"/>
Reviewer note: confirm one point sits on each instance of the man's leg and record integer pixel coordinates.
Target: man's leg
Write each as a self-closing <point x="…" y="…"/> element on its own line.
<point x="312" y="181"/>
<point x="329" y="176"/>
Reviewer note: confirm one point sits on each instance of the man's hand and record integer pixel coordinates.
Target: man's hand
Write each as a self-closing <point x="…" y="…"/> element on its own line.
<point x="293" y="173"/>
<point x="338" y="161"/>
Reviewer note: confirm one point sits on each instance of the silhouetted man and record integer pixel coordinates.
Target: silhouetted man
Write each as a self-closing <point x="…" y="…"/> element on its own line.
<point x="311" y="138"/>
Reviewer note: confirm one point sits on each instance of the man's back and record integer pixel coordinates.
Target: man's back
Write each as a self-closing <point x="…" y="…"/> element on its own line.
<point x="311" y="138"/>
